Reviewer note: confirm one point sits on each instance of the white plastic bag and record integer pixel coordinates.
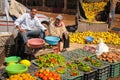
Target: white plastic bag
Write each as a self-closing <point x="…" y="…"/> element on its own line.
<point x="101" y="47"/>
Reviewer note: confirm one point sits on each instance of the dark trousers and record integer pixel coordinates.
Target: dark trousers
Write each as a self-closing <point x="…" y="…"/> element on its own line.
<point x="66" y="42"/>
<point x="31" y="34"/>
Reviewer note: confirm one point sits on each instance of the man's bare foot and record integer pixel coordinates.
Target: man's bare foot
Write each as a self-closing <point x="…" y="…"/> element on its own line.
<point x="64" y="49"/>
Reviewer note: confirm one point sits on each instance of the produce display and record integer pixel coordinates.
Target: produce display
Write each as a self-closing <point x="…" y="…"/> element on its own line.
<point x="73" y="68"/>
<point x="72" y="55"/>
<point x="83" y="66"/>
<point x="74" y="72"/>
<point x="46" y="74"/>
<point x="93" y="62"/>
<point x="50" y="60"/>
<point x="108" y="37"/>
<point x="76" y="54"/>
<point x="109" y="56"/>
<point x="61" y="70"/>
<point x="58" y="66"/>
<point x="92" y="8"/>
<point x="89" y="48"/>
<point x="23" y="76"/>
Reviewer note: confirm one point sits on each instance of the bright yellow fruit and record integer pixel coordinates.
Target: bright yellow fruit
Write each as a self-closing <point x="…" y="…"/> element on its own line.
<point x="108" y="37"/>
<point x="11" y="63"/>
<point x="25" y="62"/>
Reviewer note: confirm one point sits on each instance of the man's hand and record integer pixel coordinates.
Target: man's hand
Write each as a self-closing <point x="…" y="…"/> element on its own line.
<point x="47" y="32"/>
<point x="66" y="35"/>
<point x="20" y="29"/>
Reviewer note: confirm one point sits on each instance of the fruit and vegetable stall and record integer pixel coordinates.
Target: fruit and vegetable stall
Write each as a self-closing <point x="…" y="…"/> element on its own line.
<point x="78" y="64"/>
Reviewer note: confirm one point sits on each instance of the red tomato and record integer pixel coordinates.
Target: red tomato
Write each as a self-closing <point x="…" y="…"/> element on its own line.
<point x="36" y="74"/>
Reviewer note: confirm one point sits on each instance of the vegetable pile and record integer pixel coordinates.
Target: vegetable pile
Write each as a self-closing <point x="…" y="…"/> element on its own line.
<point x="24" y="76"/>
<point x="109" y="56"/>
<point x="50" y="60"/>
<point x="108" y="37"/>
<point x="46" y="74"/>
<point x="94" y="62"/>
<point x="89" y="48"/>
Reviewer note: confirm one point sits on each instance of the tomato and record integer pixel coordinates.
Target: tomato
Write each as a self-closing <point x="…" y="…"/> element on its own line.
<point x="36" y="74"/>
<point x="45" y="78"/>
<point x="41" y="75"/>
<point x="41" y="70"/>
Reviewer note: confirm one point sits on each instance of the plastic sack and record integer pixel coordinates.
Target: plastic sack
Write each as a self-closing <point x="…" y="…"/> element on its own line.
<point x="101" y="47"/>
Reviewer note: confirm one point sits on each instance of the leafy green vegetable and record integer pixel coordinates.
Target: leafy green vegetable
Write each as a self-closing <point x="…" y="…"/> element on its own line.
<point x="50" y="60"/>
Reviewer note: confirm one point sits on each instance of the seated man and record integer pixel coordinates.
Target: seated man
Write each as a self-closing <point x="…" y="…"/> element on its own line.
<point x="57" y="28"/>
<point x="29" y="25"/>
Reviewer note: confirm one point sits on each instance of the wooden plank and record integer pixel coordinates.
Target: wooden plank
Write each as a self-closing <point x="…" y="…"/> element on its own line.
<point x="43" y="52"/>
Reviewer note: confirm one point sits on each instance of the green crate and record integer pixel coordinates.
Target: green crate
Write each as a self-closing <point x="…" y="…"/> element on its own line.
<point x="90" y="75"/>
<point x="67" y="76"/>
<point x="103" y="71"/>
<point x="77" y="54"/>
<point x="115" y="69"/>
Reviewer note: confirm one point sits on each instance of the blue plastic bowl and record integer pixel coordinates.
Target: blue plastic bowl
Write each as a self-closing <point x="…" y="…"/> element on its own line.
<point x="89" y="39"/>
<point x="52" y="40"/>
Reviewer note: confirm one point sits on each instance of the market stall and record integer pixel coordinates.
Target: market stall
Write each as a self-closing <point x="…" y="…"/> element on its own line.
<point x="79" y="64"/>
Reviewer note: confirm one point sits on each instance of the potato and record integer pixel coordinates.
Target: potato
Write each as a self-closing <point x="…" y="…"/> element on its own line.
<point x="109" y="55"/>
<point x="104" y="59"/>
<point x="114" y="60"/>
<point x="110" y="60"/>
<point x="98" y="56"/>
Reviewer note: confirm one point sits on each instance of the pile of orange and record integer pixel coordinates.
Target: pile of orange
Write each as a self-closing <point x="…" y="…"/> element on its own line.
<point x="23" y="76"/>
<point x="46" y="74"/>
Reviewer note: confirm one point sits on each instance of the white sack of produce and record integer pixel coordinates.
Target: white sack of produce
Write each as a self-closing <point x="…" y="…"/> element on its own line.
<point x="101" y="47"/>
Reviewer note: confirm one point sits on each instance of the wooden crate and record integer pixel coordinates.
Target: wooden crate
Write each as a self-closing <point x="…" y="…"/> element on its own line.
<point x="92" y="26"/>
<point x="115" y="30"/>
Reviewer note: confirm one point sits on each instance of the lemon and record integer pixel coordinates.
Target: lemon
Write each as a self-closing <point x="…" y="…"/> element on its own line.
<point x="25" y="62"/>
<point x="11" y="63"/>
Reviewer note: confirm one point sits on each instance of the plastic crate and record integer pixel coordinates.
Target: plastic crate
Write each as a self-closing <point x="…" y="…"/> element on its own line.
<point x="115" y="69"/>
<point x="67" y="76"/>
<point x="103" y="71"/>
<point x="77" y="54"/>
<point x="90" y="75"/>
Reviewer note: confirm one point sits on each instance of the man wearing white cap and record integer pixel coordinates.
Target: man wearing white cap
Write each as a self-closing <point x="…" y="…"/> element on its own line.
<point x="57" y="28"/>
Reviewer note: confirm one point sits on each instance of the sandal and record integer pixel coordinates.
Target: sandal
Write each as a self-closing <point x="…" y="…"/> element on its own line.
<point x="64" y="50"/>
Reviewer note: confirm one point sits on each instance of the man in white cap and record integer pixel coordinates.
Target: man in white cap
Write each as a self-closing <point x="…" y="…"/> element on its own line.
<point x="57" y="28"/>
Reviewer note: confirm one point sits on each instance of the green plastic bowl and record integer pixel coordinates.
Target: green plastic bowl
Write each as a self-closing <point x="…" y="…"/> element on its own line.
<point x="12" y="59"/>
<point x="16" y="68"/>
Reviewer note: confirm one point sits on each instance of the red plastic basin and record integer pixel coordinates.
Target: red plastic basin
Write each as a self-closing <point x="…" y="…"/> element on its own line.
<point x="36" y="42"/>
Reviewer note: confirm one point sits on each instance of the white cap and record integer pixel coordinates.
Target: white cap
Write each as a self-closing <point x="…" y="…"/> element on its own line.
<point x="60" y="17"/>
